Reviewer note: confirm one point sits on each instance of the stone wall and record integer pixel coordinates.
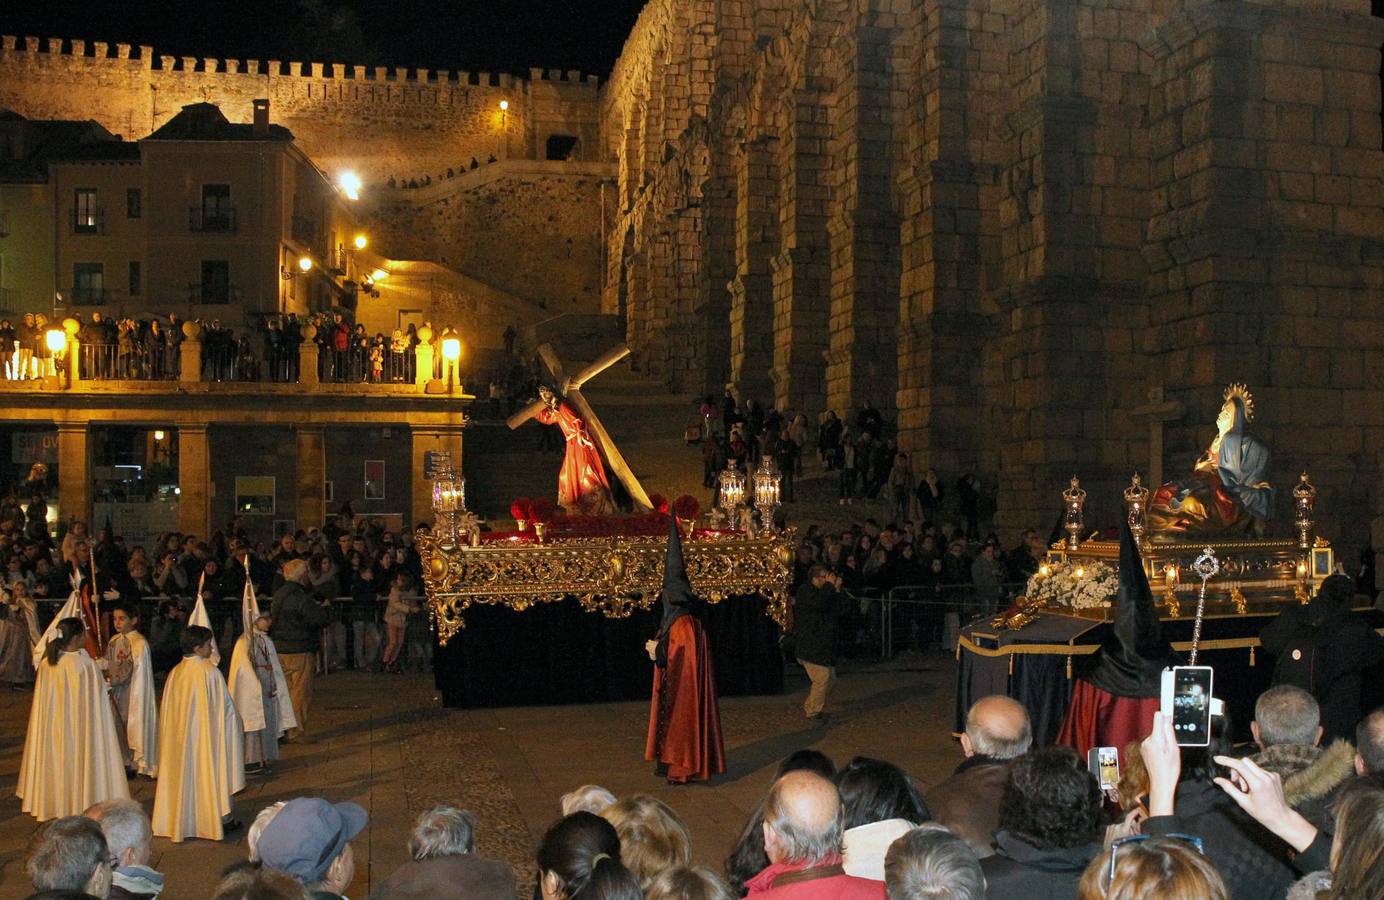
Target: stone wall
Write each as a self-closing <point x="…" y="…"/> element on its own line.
<point x="1042" y="235"/>
<point x="529" y="229"/>
<point x="378" y="121"/>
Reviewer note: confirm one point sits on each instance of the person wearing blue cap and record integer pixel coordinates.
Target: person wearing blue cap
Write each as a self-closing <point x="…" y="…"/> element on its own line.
<point x="310" y="839"/>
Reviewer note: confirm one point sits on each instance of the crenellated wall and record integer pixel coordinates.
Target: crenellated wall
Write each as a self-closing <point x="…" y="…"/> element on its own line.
<point x="381" y="122"/>
<point x="1043" y="235"/>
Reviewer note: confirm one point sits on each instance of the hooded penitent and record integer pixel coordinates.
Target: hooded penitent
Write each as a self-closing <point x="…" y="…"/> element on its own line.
<point x="1132" y="660"/>
<point x="684" y="719"/>
<point x="677" y="590"/>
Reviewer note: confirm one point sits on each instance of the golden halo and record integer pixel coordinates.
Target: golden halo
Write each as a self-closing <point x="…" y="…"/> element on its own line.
<point x="1246" y="398"/>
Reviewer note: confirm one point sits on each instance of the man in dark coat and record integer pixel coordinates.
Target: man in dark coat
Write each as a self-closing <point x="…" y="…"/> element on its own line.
<point x="298" y="620"/>
<point x="684" y="717"/>
<point x="997" y="732"/>
<point x="1324" y="648"/>
<point x="817" y="609"/>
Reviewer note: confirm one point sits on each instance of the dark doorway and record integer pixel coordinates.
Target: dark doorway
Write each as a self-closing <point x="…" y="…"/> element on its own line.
<point x="561" y="146"/>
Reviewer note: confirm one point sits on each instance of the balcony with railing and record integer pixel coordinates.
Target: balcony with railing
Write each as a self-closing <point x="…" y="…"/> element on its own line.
<point x="88" y="221"/>
<point x="211" y="220"/>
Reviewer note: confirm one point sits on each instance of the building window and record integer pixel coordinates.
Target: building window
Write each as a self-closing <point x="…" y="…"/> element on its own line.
<point x="88" y="283"/>
<point x="136" y="278"/>
<point x="86" y="215"/>
<point x="133" y="203"/>
<point x="216" y="213"/>
<point x="216" y="281"/>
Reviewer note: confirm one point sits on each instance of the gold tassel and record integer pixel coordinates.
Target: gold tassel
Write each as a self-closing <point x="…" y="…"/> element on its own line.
<point x="1069" y="668"/>
<point x="1251" y="656"/>
<point x="1011" y="664"/>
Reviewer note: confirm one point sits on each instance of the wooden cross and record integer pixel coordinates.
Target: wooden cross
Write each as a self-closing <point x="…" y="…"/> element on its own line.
<point x="570" y="389"/>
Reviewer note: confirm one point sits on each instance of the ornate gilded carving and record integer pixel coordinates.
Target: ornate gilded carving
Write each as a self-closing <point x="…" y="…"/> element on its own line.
<point x="611" y="576"/>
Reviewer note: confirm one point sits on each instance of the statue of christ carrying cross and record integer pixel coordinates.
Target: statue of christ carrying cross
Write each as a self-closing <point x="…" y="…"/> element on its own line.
<point x="583" y="487"/>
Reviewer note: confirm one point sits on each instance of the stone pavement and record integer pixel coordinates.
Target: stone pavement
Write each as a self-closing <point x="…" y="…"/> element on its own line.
<point x="384" y="742"/>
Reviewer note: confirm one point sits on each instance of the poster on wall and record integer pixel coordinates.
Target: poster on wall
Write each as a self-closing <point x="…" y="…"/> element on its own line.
<point x="374" y="479"/>
<point x="30" y="447"/>
<point x="254" y="495"/>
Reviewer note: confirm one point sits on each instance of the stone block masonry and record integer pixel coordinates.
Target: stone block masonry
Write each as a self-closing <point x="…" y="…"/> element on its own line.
<point x="380" y="122"/>
<point x="1010" y="223"/>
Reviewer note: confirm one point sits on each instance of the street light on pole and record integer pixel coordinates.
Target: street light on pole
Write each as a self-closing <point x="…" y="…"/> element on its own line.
<point x="451" y="352"/>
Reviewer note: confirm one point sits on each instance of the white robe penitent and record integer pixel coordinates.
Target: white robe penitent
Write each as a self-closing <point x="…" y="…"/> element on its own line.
<point x="201" y="745"/>
<point x="71" y="752"/>
<point x="134" y="702"/>
<point x="260" y="692"/>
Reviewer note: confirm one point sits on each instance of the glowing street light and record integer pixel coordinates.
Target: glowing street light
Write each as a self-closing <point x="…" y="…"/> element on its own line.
<point x="305" y="263"/>
<point x="360" y="242"/>
<point x="158" y="435"/>
<point x="379" y="275"/>
<point x="350" y="184"/>
<point x="504" y="106"/>
<point x="56" y="340"/>
<point x="451" y="352"/>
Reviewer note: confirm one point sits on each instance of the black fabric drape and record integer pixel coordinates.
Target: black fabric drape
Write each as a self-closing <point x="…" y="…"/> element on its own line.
<point x="557" y="653"/>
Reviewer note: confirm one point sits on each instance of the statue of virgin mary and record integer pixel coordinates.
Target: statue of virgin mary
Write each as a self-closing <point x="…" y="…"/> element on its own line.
<point x="1227" y="491"/>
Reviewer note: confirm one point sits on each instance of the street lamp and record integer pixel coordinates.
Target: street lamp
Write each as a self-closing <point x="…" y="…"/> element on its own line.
<point x="305" y="263"/>
<point x="360" y="242"/>
<point x="451" y="352"/>
<point x="56" y="341"/>
<point x="379" y="275"/>
<point x="350" y="184"/>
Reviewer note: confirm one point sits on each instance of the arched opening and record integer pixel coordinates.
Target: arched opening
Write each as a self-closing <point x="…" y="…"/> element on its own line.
<point x="561" y="146"/>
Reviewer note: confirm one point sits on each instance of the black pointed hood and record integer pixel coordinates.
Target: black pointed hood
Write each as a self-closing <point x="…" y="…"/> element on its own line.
<point x="1132" y="660"/>
<point x="677" y="590"/>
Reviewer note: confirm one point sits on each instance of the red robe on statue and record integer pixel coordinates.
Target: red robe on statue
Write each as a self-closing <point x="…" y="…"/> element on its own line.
<point x="582" y="487"/>
<point x="684" y="718"/>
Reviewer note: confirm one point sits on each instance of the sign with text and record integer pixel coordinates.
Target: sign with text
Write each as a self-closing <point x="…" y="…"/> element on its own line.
<point x="31" y="447"/>
<point x="434" y="461"/>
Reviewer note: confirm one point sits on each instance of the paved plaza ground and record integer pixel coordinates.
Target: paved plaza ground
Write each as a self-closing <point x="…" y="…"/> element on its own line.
<point x="386" y="743"/>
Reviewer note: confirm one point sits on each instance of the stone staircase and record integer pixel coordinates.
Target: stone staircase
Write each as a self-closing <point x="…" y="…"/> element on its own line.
<point x="646" y="420"/>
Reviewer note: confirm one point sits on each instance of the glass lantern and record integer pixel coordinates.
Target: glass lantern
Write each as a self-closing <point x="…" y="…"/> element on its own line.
<point x="767" y="485"/>
<point x="732" y="493"/>
<point x="449" y="502"/>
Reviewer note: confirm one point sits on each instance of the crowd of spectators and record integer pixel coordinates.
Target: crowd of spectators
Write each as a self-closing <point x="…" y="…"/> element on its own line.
<point x="413" y="184"/>
<point x="1012" y="822"/>
<point x="150" y="349"/>
<point x="374" y="575"/>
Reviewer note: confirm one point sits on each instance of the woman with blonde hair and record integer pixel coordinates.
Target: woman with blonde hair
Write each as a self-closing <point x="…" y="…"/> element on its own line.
<point x="699" y="883"/>
<point x="1139" y="866"/>
<point x="652" y="837"/>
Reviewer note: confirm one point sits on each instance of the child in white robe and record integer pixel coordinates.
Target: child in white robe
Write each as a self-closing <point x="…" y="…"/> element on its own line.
<point x="258" y="687"/>
<point x="201" y="747"/>
<point x="71" y="753"/>
<point x="130" y="672"/>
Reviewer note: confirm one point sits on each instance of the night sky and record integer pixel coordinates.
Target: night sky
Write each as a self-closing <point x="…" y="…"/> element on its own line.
<point x="494" y="36"/>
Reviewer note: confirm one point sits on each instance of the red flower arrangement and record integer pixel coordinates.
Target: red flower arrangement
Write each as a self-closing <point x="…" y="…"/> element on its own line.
<point x="542" y="510"/>
<point x="659" y="503"/>
<point x="687" y="507"/>
<point x="521" y="508"/>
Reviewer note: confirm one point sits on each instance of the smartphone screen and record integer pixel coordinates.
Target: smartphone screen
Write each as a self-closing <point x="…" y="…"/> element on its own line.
<point x="1192" y="705"/>
<point x="1104" y="763"/>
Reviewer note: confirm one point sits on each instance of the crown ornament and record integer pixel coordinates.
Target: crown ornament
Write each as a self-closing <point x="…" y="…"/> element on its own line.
<point x="1241" y="391"/>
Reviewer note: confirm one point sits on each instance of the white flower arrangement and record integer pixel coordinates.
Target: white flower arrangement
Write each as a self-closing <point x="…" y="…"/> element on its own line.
<point x="1073" y="585"/>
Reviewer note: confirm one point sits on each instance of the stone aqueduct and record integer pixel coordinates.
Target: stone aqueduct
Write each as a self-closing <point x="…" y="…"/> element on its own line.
<point x="1040" y="234"/>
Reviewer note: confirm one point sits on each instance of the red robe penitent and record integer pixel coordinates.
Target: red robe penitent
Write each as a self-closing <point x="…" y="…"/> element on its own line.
<point x="684" y="718"/>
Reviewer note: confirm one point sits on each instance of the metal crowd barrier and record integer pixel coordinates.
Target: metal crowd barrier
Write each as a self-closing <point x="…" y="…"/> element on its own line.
<point x="947" y="606"/>
<point x="344" y="611"/>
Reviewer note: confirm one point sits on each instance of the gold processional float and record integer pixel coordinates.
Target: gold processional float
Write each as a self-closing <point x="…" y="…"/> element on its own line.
<point x="612" y="565"/>
<point x="1215" y="517"/>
